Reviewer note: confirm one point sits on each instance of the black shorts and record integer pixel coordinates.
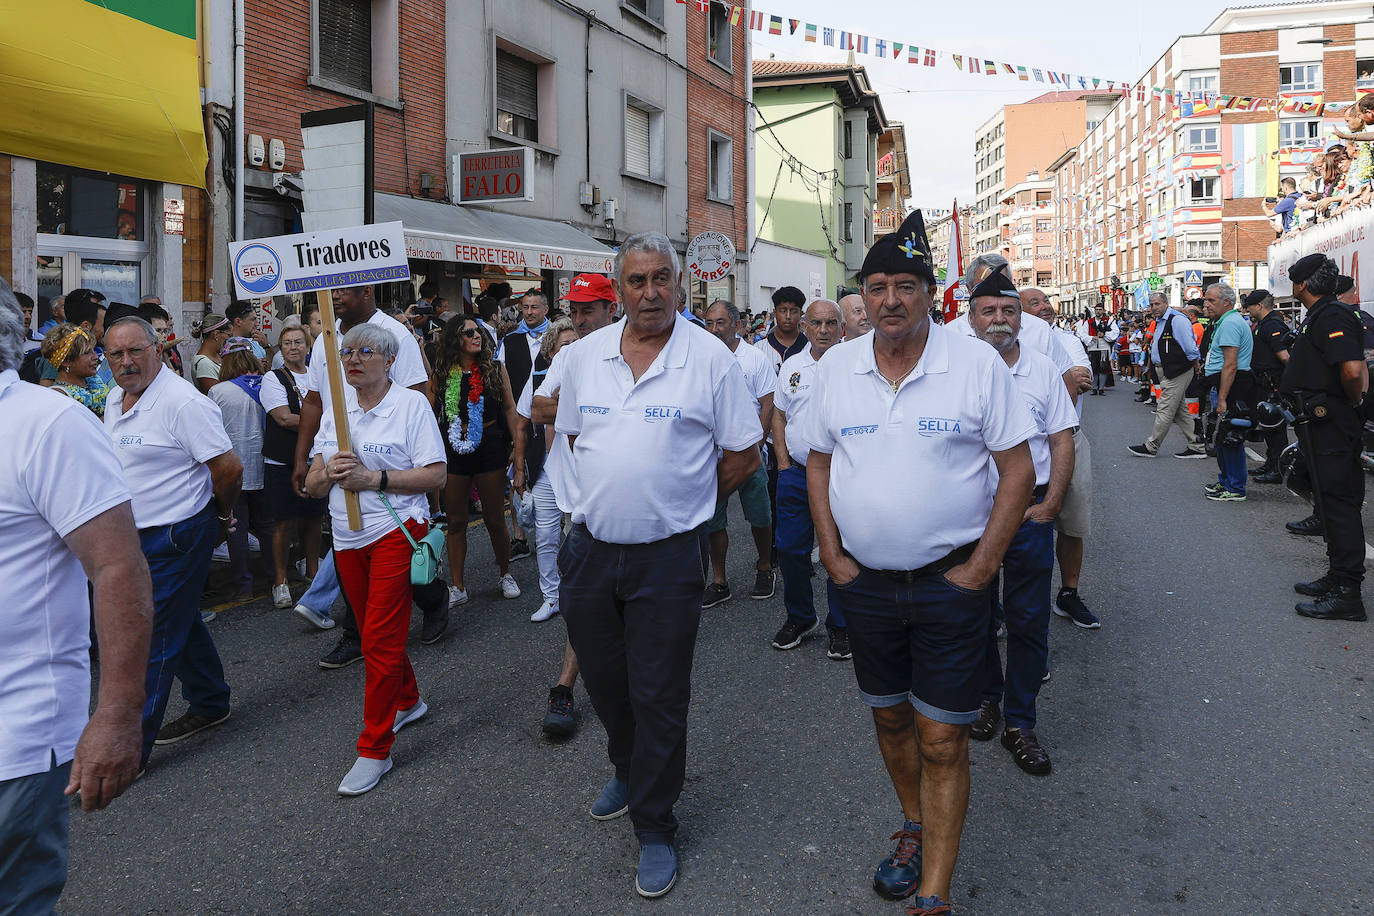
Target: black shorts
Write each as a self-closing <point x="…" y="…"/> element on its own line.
<point x="286" y="502"/>
<point x="923" y="643"/>
<point x="491" y="454"/>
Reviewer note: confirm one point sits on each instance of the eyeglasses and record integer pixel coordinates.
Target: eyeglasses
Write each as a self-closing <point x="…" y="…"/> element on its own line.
<point x="472" y="332"/>
<point x="363" y="353"/>
<point x="117" y="356"/>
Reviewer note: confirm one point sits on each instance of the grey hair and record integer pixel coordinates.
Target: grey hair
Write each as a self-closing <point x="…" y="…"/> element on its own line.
<point x="652" y="243"/>
<point x="550" y="338"/>
<point x="1228" y="295"/>
<point x="1159" y="297"/>
<point x="140" y="323"/>
<point x="12" y="330"/>
<point x="730" y="309"/>
<point x="375" y="338"/>
<point x="1324" y="278"/>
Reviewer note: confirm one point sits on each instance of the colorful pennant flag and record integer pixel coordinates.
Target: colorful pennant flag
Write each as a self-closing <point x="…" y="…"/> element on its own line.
<point x="774" y="25"/>
<point x="1039" y="75"/>
<point x="913" y="54"/>
<point x="829" y="37"/>
<point x="897" y="49"/>
<point x="863" y="44"/>
<point x="958" y="60"/>
<point x="879" y="47"/>
<point x="929" y="59"/>
<point x="793" y="23"/>
<point x="810" y="32"/>
<point x="735" y="13"/>
<point x="1009" y="68"/>
<point x="1022" y="75"/>
<point x="989" y="68"/>
<point x="756" y="20"/>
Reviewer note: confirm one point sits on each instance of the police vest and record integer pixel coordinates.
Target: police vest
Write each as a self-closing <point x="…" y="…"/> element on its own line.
<point x="1265" y="356"/>
<point x="1172" y="359"/>
<point x="1307" y="370"/>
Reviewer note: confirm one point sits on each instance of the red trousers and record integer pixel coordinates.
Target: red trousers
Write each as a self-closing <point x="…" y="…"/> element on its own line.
<point x="376" y="579"/>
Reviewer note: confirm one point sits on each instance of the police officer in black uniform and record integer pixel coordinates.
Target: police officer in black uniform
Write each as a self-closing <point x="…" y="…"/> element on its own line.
<point x="1326" y="374"/>
<point x="1272" y="339"/>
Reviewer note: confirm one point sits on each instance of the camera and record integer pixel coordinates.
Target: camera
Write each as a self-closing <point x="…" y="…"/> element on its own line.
<point x="424" y="308"/>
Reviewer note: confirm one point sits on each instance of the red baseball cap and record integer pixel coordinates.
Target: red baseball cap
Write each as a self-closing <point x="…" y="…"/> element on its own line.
<point x="589" y="288"/>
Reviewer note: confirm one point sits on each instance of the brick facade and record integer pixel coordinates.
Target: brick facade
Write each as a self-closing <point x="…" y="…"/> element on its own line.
<point x="277" y="90"/>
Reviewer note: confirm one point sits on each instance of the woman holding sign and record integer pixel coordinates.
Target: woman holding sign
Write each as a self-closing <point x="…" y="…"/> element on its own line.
<point x="398" y="457"/>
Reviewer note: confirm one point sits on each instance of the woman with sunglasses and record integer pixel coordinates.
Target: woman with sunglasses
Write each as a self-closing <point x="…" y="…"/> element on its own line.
<point x="212" y="331"/>
<point x="476" y="413"/>
<point x="396" y="459"/>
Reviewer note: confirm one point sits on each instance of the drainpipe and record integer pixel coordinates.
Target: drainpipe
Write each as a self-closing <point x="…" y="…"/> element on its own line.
<point x="238" y="119"/>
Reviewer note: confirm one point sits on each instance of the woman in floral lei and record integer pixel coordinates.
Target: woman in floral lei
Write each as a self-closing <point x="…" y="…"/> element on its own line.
<point x="476" y="412"/>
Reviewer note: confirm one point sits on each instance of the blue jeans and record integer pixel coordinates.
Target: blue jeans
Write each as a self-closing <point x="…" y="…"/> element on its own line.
<point x="179" y="560"/>
<point x="1026" y="572"/>
<point x="795" y="536"/>
<point x="1231" y="467"/>
<point x="324" y="591"/>
<point x="34" y="815"/>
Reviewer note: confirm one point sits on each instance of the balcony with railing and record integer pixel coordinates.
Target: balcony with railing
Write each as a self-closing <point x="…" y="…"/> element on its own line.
<point x="886" y="220"/>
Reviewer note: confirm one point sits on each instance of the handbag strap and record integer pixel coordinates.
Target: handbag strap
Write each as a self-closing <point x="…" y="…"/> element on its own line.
<point x="397" y="519"/>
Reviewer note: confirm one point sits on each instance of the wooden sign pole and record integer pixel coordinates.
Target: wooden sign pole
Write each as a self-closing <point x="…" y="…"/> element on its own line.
<point x="336" y="397"/>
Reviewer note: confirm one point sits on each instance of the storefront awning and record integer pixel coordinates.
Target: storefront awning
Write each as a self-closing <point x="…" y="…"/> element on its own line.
<point x="436" y="231"/>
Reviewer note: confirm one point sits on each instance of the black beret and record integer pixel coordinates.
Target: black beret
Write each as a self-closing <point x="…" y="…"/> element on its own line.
<point x="1344" y="284"/>
<point x="1306" y="267"/>
<point x="118" y="310"/>
<point x="1255" y="297"/>
<point x="905" y="251"/>
<point x="995" y="283"/>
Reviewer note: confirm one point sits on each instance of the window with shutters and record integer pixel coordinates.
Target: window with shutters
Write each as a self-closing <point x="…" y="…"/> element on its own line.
<point x="719" y="35"/>
<point x="643" y="139"/>
<point x="719" y="168"/>
<point x="517" y="96"/>
<point x="354" y="48"/>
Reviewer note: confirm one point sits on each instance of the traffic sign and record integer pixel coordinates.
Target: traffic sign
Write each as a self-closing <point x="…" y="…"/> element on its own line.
<point x="1192" y="278"/>
<point x="1193" y="292"/>
<point x="1104" y="290"/>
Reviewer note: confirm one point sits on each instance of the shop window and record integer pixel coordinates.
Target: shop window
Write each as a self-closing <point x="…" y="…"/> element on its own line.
<point x="517" y="96"/>
<point x="720" y="168"/>
<point x="354" y="47"/>
<point x="1300" y="78"/>
<point x="71" y="202"/>
<point x="719" y="35"/>
<point x="643" y="139"/>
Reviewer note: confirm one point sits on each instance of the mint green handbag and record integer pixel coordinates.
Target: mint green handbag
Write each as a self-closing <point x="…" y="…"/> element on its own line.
<point x="424" y="558"/>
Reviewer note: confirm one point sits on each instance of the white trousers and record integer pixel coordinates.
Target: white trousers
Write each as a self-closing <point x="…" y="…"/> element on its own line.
<point x="548" y="528"/>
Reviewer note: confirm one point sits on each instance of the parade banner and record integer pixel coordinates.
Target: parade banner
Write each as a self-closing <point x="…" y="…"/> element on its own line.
<point x="329" y="259"/>
<point x="111" y="86"/>
<point x="1341" y="239"/>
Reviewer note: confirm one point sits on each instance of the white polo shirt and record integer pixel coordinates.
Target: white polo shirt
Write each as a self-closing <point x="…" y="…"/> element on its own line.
<point x="163" y="443"/>
<point x="1044" y="393"/>
<point x="909" y="478"/>
<point x="760" y="376"/>
<point x="796" y="384"/>
<point x="1074" y="347"/>
<point x="645" y="455"/>
<point x="558" y="461"/>
<point x="398" y="434"/>
<point x="408" y="369"/>
<point x="1036" y="333"/>
<point x="57" y="472"/>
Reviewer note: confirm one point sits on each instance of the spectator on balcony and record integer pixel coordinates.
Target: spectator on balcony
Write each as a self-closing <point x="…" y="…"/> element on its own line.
<point x="1285" y="208"/>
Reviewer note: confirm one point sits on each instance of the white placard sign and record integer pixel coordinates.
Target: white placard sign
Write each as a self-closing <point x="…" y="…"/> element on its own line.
<point x="329" y="259"/>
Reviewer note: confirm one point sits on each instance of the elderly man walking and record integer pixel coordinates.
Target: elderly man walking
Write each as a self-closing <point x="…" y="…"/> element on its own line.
<point x="1174" y="352"/>
<point x="185" y="478"/>
<point x="57" y="530"/>
<point x="661" y="426"/>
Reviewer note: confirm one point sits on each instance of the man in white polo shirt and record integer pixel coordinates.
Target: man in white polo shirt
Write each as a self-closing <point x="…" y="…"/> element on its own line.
<point x="910" y="423"/>
<point x="64" y="518"/>
<point x="352" y="306"/>
<point x="796" y="535"/>
<point x="723" y="320"/>
<point x="185" y="478"/>
<point x="995" y="314"/>
<point x="661" y="425"/>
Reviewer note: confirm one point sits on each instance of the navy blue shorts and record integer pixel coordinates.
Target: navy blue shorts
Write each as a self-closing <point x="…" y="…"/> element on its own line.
<point x="922" y="642"/>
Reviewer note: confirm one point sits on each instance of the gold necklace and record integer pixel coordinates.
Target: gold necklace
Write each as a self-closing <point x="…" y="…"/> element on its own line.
<point x="894" y="385"/>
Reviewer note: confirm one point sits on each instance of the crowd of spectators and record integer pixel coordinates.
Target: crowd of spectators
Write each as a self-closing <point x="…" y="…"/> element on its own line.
<point x="1339" y="179"/>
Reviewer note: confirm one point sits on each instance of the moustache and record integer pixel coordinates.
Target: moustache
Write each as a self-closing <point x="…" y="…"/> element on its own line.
<point x="1000" y="329"/>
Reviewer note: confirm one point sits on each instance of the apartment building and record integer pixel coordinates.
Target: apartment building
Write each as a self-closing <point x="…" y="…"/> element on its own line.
<point x="1023" y="138"/>
<point x="894" y="180"/>
<point x="1026" y="223"/>
<point x="1167" y="189"/>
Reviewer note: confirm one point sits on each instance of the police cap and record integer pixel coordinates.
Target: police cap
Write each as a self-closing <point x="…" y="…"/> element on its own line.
<point x="1344" y="284"/>
<point x="1306" y="267"/>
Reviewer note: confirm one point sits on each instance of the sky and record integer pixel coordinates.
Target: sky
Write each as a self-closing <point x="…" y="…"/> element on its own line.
<point x="941" y="107"/>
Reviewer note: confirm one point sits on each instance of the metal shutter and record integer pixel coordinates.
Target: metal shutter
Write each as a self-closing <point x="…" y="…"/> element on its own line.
<point x="517" y="85"/>
<point x="637" y="141"/>
<point x="345" y="42"/>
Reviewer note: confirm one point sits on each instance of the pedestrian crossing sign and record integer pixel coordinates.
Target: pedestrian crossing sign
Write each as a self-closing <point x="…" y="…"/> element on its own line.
<point x="1192" y="278"/>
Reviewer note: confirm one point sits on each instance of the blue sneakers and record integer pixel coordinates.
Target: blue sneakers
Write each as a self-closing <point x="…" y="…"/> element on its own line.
<point x="657" y="870"/>
<point x="930" y="906"/>
<point x="613" y="801"/>
<point x="900" y="872"/>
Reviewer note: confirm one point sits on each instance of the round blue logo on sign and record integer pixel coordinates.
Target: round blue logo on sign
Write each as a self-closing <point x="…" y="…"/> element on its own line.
<point x="257" y="268"/>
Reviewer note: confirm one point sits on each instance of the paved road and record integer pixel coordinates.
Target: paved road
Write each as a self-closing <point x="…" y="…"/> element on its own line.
<point x="1212" y="754"/>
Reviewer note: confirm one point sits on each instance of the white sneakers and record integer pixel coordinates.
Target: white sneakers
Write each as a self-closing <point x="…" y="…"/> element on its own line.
<point x="508" y="587"/>
<point x="406" y="716"/>
<point x="364" y="776"/>
<point x="456" y="596"/>
<point x="319" y="620"/>
<point x="546" y="610"/>
<point x="281" y="595"/>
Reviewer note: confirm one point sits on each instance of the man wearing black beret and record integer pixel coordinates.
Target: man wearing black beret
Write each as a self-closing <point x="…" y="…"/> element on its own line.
<point x="1327" y="374"/>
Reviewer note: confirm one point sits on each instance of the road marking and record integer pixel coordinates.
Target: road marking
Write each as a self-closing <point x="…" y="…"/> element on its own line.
<point x="1251" y="452"/>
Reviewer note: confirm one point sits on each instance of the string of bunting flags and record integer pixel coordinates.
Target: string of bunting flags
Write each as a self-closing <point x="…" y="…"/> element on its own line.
<point x="975" y="65"/>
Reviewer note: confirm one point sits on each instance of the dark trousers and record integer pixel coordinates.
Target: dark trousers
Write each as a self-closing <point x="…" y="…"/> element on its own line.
<point x="1026" y="572"/>
<point x="770" y="458"/>
<point x="1275" y="441"/>
<point x="796" y="535"/>
<point x="632" y="612"/>
<point x="1337" y="473"/>
<point x="34" y="815"/>
<point x="252" y="511"/>
<point x="179" y="560"/>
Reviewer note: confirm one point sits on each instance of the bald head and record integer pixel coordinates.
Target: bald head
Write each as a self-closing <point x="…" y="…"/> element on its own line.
<point x="1035" y="302"/>
<point x="822" y="324"/>
<point x="855" y="316"/>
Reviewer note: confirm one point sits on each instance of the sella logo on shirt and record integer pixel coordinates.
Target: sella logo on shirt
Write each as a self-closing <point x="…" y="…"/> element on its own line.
<point x="598" y="411"/>
<point x="376" y="448"/>
<point x="858" y="431"/>
<point x="936" y="426"/>
<point x="128" y="441"/>
<point x="662" y="412"/>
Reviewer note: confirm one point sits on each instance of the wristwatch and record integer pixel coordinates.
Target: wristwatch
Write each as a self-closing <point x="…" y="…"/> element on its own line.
<point x="382" y="486"/>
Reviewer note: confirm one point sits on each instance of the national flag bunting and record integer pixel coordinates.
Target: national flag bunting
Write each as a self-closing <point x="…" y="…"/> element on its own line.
<point x="1022" y="75"/>
<point x="879" y="47"/>
<point x="792" y="24"/>
<point x="828" y="37"/>
<point x="810" y="32"/>
<point x="735" y="13"/>
<point x="756" y="20"/>
<point x="958" y="60"/>
<point x="990" y="67"/>
<point x="863" y="44"/>
<point x="897" y="49"/>
<point x="774" y="25"/>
